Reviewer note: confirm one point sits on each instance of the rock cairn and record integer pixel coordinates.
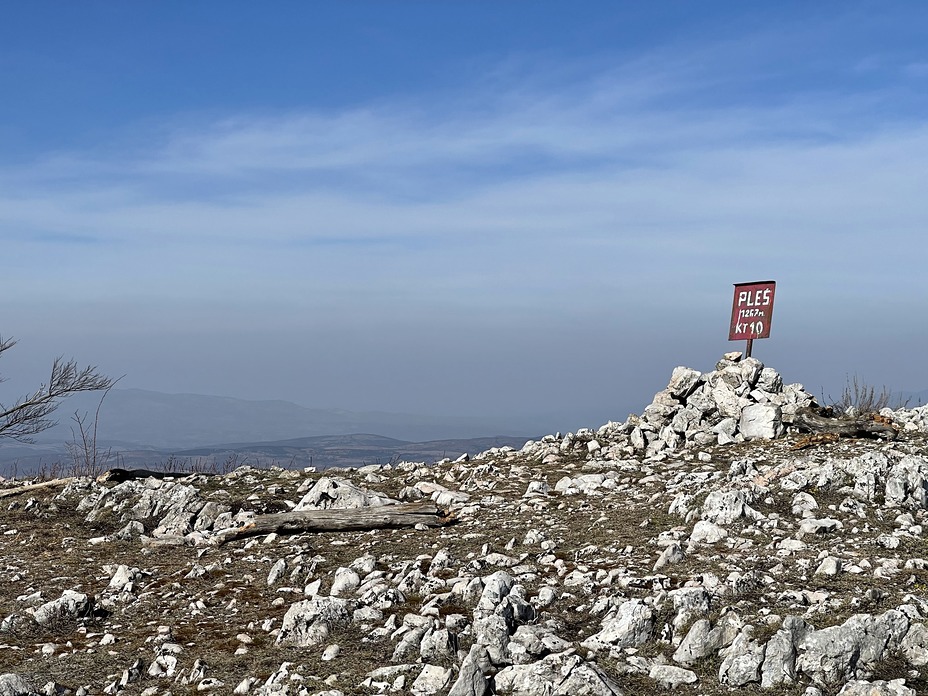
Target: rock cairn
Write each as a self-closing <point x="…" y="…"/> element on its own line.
<point x="740" y="400"/>
<point x="689" y="548"/>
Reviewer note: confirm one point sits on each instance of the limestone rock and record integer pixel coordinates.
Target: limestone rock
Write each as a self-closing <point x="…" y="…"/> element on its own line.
<point x="431" y="680"/>
<point x="743" y="661"/>
<point x="631" y="625"/>
<point x="15" y="685"/>
<point x="915" y="645"/>
<point x="838" y="653"/>
<point x="829" y="566"/>
<point x="705" y="532"/>
<point x="724" y="507"/>
<point x="471" y="680"/>
<point x="561" y="674"/>
<point x="683" y="380"/>
<point x="309" y="622"/>
<point x="779" y="666"/>
<point x="673" y="553"/>
<point x="71" y="605"/>
<point x="761" y="421"/>
<point x="671" y="677"/>
<point x="123" y="576"/>
<point x="698" y="643"/>
<point x="336" y="492"/>
<point x="769" y="380"/>
<point x="346" y="580"/>
<point x="896" y="687"/>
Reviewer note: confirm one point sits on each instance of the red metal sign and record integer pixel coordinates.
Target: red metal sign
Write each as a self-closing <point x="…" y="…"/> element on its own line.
<point x="752" y="310"/>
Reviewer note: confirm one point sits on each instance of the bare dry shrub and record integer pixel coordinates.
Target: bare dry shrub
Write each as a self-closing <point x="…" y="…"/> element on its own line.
<point x="87" y="459"/>
<point x="859" y="398"/>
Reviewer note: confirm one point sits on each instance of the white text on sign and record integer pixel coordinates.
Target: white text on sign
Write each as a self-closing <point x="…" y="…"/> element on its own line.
<point x="756" y="327"/>
<point x="757" y="298"/>
<point x="751" y="310"/>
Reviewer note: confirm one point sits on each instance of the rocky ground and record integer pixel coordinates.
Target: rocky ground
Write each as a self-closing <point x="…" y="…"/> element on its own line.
<point x="691" y="548"/>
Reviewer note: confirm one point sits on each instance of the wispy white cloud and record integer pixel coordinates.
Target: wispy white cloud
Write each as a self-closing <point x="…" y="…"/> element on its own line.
<point x="598" y="188"/>
<point x="547" y="230"/>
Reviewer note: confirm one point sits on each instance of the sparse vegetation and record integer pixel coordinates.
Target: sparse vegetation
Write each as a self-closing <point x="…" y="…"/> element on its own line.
<point x="578" y="532"/>
<point x="859" y="398"/>
<point x="590" y="532"/>
<point x="87" y="459"/>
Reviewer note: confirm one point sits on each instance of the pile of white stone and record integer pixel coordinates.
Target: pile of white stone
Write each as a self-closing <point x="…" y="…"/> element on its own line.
<point x="910" y="419"/>
<point x="739" y="400"/>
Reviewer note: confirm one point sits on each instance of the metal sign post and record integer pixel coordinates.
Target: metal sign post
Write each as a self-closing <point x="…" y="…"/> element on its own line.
<point x="752" y="312"/>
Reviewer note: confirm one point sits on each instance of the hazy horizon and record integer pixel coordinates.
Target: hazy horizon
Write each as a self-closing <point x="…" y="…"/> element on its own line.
<point x="460" y="210"/>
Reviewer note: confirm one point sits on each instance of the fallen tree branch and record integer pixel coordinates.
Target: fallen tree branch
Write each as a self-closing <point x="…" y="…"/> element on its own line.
<point x="28" y="488"/>
<point x="814" y="439"/>
<point x="340" y="520"/>
<point x="809" y="421"/>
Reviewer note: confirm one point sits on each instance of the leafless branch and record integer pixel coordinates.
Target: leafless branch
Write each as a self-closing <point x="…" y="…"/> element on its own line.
<point x="31" y="414"/>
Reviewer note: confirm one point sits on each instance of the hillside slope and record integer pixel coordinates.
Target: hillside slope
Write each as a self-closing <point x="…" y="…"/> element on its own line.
<point x="680" y="548"/>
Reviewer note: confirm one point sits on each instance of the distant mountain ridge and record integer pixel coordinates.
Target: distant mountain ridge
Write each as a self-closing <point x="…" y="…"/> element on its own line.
<point x="321" y="452"/>
<point x="147" y="419"/>
<point x="147" y="428"/>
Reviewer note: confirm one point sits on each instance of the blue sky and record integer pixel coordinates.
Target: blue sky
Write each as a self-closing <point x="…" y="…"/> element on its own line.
<point x="465" y="208"/>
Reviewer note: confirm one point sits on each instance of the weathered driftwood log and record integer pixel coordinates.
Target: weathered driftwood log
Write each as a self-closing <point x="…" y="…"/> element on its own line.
<point x="808" y="420"/>
<point x="340" y="520"/>
<point x="28" y="488"/>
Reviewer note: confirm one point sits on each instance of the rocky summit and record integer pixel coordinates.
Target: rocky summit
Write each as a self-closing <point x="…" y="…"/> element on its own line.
<point x="695" y="547"/>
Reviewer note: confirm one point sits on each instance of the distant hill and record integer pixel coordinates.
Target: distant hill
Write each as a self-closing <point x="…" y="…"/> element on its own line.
<point x="137" y="418"/>
<point x="322" y="452"/>
<point x="148" y="428"/>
